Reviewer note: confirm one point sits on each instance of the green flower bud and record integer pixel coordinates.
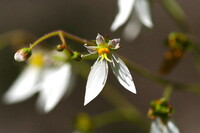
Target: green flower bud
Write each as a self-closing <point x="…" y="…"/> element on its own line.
<point x="22" y="54"/>
<point x="177" y="40"/>
<point x="160" y="108"/>
<point x="83" y="123"/>
<point x="76" y="56"/>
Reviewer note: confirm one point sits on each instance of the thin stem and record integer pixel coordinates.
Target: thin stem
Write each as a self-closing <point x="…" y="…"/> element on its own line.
<point x="114" y="116"/>
<point x="78" y="39"/>
<point x="176" y="12"/>
<point x="61" y="34"/>
<point x="108" y="117"/>
<point x="62" y="38"/>
<point x="167" y="93"/>
<point x="44" y="38"/>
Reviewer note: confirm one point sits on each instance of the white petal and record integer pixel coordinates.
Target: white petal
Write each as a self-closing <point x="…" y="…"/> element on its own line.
<point x="96" y="80"/>
<point x="114" y="43"/>
<point x="132" y="28"/>
<point x="122" y="74"/>
<point x="55" y="84"/>
<point x="143" y="11"/>
<point x="99" y="39"/>
<point x="125" y="9"/>
<point x="91" y="49"/>
<point x="23" y="87"/>
<point x="157" y="126"/>
<point x="172" y="127"/>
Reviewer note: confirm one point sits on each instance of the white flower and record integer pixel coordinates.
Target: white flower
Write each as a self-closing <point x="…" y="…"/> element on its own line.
<point x="139" y="13"/>
<point x="158" y="126"/>
<point x="45" y="75"/>
<point x="99" y="72"/>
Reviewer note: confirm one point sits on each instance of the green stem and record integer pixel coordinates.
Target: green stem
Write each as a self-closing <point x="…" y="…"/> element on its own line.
<point x="167" y="93"/>
<point x="62" y="38"/>
<point x="44" y="38"/>
<point x="78" y="39"/>
<point x="61" y="34"/>
<point x="117" y="115"/>
<point x="176" y="12"/>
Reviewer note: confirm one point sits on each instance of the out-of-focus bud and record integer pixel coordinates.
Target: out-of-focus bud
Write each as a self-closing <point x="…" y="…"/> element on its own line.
<point x="160" y="112"/>
<point x="22" y="54"/>
<point x="76" y="56"/>
<point x="160" y="108"/>
<point x="60" y="47"/>
<point x="83" y="123"/>
<point x="177" y="43"/>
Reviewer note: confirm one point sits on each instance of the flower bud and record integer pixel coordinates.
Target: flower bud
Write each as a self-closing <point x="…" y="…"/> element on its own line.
<point x="76" y="56"/>
<point x="83" y="123"/>
<point x="60" y="47"/>
<point x="22" y="54"/>
<point x="160" y="108"/>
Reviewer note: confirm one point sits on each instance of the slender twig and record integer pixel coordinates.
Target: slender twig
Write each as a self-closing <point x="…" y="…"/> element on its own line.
<point x="176" y="13"/>
<point x="120" y="115"/>
<point x="167" y="93"/>
<point x="60" y="32"/>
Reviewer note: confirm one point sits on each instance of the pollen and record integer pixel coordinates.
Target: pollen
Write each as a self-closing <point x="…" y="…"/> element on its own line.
<point x="37" y="60"/>
<point x="103" y="51"/>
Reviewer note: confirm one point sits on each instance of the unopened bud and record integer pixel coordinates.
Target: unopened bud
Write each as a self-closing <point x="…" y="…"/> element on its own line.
<point x="60" y="47"/>
<point x="83" y="123"/>
<point x="177" y="40"/>
<point x="76" y="56"/>
<point x="22" y="54"/>
<point x="160" y="108"/>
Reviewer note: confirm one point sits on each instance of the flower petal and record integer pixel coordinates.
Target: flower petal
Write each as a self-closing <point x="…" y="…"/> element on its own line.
<point x="54" y="86"/>
<point x="132" y="28"/>
<point x="143" y="11"/>
<point x="172" y="127"/>
<point x="114" y="43"/>
<point x="122" y="74"/>
<point x="91" y="49"/>
<point x="96" y="80"/>
<point x="23" y="88"/>
<point x="99" y="39"/>
<point x="157" y="126"/>
<point x="125" y="9"/>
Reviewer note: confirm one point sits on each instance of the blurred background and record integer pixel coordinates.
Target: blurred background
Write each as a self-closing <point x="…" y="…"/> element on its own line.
<point x="86" y="18"/>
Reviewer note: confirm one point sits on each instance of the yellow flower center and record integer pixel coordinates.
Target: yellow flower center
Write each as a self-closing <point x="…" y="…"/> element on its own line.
<point x="103" y="50"/>
<point x="103" y="53"/>
<point x="37" y="60"/>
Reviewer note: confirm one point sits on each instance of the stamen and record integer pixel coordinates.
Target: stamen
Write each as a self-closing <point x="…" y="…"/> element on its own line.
<point x="106" y="57"/>
<point x="102" y="57"/>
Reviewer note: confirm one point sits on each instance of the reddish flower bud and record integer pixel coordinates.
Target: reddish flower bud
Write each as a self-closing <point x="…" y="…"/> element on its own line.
<point x="60" y="47"/>
<point x="22" y="54"/>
